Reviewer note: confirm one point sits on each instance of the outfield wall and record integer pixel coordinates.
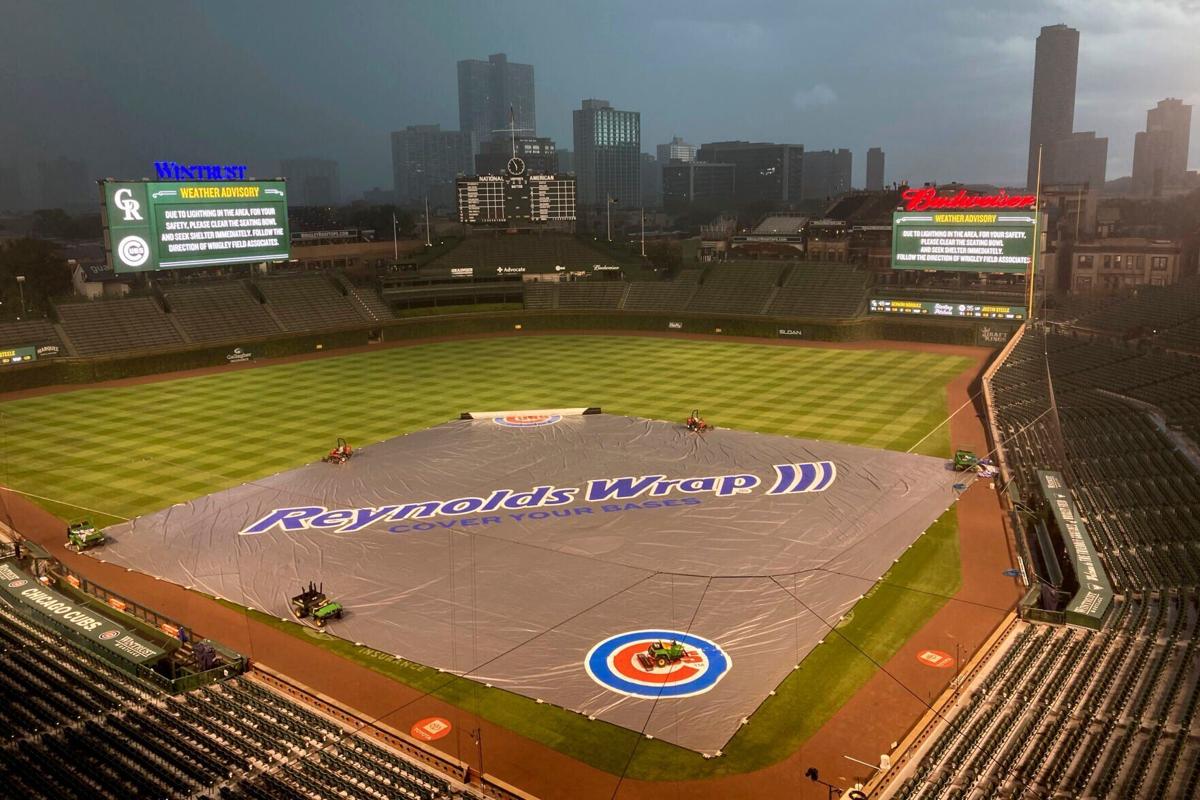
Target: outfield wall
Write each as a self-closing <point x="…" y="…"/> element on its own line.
<point x="59" y="371"/>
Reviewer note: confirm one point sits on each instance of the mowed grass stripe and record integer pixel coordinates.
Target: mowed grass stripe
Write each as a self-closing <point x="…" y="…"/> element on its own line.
<point x="133" y="450"/>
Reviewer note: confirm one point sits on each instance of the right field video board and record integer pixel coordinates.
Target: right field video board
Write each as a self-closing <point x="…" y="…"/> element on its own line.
<point x="963" y="241"/>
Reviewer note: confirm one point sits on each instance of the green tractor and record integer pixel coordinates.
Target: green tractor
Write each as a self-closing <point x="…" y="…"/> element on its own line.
<point x="965" y="460"/>
<point x="82" y="535"/>
<point x="659" y="655"/>
<point x="312" y="602"/>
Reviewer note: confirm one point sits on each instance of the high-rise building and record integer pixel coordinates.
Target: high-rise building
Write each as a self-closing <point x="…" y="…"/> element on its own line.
<point x="63" y="183"/>
<point x="651" y="182"/>
<point x="311" y="181"/>
<point x="1078" y="158"/>
<point x="826" y="173"/>
<point x="537" y="153"/>
<point x="608" y="148"/>
<point x="488" y="90"/>
<point x="1160" y="153"/>
<point x="764" y="171"/>
<point x="875" y="169"/>
<point x="702" y="183"/>
<point x="676" y="150"/>
<point x="566" y="160"/>
<point x="426" y="160"/>
<point x="1053" y="115"/>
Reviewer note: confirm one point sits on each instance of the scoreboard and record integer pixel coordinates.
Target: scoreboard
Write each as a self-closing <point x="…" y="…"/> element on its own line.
<point x="515" y="197"/>
<point x="943" y="309"/>
<point x="963" y="241"/>
<point x="151" y="225"/>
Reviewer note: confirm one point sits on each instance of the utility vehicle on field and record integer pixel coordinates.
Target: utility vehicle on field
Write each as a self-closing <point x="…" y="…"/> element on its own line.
<point x="312" y="602"/>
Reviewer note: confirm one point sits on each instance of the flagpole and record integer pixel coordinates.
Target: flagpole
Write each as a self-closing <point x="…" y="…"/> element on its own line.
<point x="395" y="244"/>
<point x="643" y="233"/>
<point x="1037" y="204"/>
<point x="428" y="243"/>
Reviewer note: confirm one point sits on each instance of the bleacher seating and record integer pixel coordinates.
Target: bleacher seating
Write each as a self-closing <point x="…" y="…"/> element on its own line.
<point x="591" y="294"/>
<point x="659" y="295"/>
<point x="29" y="333"/>
<point x="308" y="302"/>
<point x="218" y="312"/>
<point x="736" y="289"/>
<point x="101" y="327"/>
<point x="75" y="727"/>
<point x="541" y="253"/>
<point x="821" y="290"/>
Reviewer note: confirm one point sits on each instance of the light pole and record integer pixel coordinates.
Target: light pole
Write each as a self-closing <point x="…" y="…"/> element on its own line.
<point x="21" y="291"/>
<point x="608" y="204"/>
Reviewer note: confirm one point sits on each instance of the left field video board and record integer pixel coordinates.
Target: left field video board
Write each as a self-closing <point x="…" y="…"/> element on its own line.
<point x="178" y="225"/>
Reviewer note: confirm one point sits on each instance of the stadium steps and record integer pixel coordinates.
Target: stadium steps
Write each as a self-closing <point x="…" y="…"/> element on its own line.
<point x="770" y="299"/>
<point x="624" y="296"/>
<point x="67" y="344"/>
<point x="367" y="302"/>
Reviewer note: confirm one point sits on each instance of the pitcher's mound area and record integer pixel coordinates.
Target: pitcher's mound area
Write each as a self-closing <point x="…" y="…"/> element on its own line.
<point x="548" y="555"/>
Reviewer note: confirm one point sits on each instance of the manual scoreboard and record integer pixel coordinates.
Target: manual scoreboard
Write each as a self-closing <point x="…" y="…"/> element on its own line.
<point x="152" y="225"/>
<point x="515" y="197"/>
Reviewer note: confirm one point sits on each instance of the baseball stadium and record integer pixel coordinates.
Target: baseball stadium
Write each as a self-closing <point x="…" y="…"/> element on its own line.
<point x="531" y="516"/>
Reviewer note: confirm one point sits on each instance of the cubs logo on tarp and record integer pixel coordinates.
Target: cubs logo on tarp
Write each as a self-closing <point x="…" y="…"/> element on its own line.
<point x="109" y="635"/>
<point x="527" y="421"/>
<point x="17" y="584"/>
<point x="657" y="664"/>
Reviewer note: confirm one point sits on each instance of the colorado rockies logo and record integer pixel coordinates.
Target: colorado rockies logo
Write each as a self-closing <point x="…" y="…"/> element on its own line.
<point x="529" y="421"/>
<point x="657" y="664"/>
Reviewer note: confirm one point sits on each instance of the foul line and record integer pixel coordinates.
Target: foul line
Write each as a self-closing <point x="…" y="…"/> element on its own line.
<point x="63" y="503"/>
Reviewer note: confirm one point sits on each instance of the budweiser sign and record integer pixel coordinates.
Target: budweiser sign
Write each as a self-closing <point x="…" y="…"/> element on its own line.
<point x="928" y="199"/>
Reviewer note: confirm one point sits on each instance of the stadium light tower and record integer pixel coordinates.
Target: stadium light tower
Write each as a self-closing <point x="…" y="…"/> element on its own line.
<point x="21" y="291"/>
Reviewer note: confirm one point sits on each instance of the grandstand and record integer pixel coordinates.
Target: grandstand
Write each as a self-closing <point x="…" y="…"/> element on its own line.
<point x="123" y="737"/>
<point x="29" y="333"/>
<point x="659" y="295"/>
<point x="1061" y="712"/>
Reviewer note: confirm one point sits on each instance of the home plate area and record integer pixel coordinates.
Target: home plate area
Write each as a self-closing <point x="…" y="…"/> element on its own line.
<point x="627" y="569"/>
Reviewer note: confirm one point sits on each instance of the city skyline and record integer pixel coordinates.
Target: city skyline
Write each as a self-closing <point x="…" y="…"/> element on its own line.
<point x="274" y="101"/>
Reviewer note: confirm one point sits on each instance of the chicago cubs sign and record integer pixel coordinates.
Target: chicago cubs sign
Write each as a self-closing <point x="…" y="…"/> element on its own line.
<point x="527" y="420"/>
<point x="657" y="663"/>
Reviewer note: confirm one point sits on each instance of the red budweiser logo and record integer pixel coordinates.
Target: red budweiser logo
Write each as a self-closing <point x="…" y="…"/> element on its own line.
<point x="928" y="198"/>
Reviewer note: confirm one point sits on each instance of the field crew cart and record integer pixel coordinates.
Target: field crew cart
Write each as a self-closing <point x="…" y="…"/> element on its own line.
<point x="659" y="655"/>
<point x="312" y="602"/>
<point x="82" y="535"/>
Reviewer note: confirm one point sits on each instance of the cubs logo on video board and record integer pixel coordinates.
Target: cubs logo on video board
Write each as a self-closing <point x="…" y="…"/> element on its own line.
<point x="527" y="421"/>
<point x="657" y="664"/>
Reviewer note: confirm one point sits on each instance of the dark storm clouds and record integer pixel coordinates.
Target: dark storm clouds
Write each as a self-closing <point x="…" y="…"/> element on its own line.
<point x="944" y="87"/>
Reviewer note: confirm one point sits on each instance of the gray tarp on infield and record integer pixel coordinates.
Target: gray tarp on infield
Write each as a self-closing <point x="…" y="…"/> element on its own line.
<point x="519" y="604"/>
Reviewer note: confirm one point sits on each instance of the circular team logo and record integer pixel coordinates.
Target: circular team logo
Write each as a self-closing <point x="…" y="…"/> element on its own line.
<point x="17" y="584"/>
<point x="431" y="729"/>
<point x="108" y="635"/>
<point x="527" y="421"/>
<point x="657" y="663"/>
<point x="133" y="251"/>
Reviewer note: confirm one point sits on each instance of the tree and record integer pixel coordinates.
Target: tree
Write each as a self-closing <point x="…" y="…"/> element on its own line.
<point x="46" y="276"/>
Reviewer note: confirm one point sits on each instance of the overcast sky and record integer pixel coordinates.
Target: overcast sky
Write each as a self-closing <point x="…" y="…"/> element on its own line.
<point x="943" y="87"/>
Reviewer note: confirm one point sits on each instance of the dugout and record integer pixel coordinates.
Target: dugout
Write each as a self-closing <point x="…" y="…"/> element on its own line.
<point x="1073" y="587"/>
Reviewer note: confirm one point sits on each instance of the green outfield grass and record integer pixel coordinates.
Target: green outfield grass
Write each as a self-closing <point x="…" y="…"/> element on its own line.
<point x="120" y="452"/>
